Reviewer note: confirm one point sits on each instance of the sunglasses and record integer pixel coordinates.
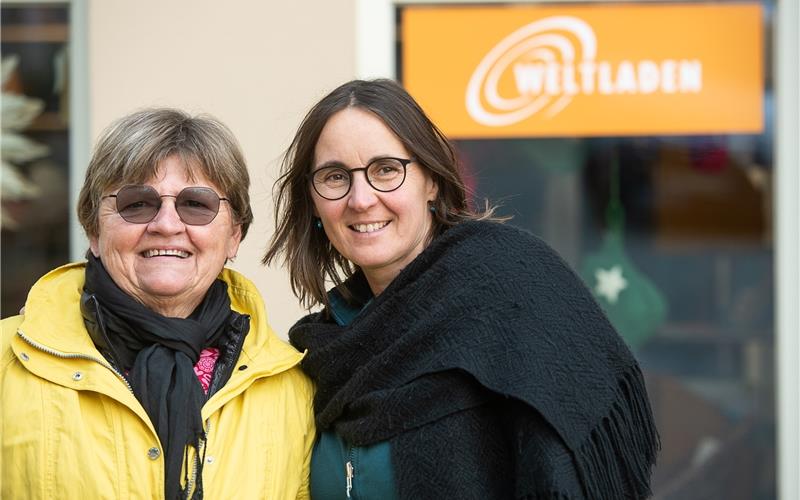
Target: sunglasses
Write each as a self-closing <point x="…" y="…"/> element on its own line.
<point x="139" y="204"/>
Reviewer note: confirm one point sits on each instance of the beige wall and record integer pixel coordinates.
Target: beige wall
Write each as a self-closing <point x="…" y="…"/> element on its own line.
<point x="256" y="65"/>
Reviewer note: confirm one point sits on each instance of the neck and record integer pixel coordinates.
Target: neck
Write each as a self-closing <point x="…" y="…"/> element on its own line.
<point x="170" y="307"/>
<point x="379" y="280"/>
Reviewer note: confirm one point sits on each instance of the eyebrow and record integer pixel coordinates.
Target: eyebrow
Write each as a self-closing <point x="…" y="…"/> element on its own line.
<point x="337" y="163"/>
<point x="330" y="163"/>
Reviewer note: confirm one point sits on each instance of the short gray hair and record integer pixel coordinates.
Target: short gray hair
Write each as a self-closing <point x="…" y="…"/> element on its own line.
<point x="132" y="148"/>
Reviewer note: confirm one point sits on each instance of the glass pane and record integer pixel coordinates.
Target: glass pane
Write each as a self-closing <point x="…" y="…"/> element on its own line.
<point x="674" y="236"/>
<point x="35" y="151"/>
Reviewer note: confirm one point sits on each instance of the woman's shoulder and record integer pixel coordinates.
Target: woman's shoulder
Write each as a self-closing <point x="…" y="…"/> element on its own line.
<point x="497" y="242"/>
<point x="53" y="295"/>
<point x="241" y="289"/>
<point x="262" y="344"/>
<point x="56" y="289"/>
<point x="302" y="382"/>
<point x="72" y="273"/>
<point x="510" y="231"/>
<point x="491" y="231"/>
<point x="282" y="361"/>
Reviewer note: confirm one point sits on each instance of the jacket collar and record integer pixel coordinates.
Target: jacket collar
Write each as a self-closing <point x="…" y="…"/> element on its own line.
<point x="53" y="318"/>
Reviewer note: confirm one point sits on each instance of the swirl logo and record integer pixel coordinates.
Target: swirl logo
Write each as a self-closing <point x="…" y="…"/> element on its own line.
<point x="541" y="56"/>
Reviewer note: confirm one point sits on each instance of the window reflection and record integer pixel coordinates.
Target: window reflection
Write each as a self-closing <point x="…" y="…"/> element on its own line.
<point x="673" y="234"/>
<point x="35" y="148"/>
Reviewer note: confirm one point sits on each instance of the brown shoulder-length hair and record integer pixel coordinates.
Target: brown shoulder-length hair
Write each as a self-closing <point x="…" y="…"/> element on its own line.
<point x="306" y="250"/>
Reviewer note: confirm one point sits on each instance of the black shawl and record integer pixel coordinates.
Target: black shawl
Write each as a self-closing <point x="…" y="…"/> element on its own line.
<point x="493" y="372"/>
<point x="159" y="353"/>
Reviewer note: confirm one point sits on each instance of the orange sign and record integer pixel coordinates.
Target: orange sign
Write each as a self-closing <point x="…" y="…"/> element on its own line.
<point x="523" y="71"/>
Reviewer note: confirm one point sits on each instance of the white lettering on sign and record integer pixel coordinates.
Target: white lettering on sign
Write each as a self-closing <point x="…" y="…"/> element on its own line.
<point x="553" y="60"/>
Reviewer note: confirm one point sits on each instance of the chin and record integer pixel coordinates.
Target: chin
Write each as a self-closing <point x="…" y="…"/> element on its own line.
<point x="372" y="263"/>
<point x="165" y="289"/>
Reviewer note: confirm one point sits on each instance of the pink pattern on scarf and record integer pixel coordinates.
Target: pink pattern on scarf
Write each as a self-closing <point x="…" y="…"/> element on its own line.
<point x="204" y="369"/>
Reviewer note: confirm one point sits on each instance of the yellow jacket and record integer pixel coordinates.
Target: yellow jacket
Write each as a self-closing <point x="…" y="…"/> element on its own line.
<point x="70" y="428"/>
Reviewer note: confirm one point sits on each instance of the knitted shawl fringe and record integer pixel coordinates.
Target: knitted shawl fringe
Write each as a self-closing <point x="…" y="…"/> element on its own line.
<point x="622" y="448"/>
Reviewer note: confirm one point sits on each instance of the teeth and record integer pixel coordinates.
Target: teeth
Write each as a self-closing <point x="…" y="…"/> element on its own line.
<point x="368" y="228"/>
<point x="167" y="252"/>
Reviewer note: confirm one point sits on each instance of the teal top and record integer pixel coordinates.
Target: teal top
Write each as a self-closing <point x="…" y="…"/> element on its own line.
<point x="340" y="470"/>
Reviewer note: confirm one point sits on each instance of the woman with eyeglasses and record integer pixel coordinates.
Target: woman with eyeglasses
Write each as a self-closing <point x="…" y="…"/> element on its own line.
<point x="150" y="370"/>
<point x="455" y="356"/>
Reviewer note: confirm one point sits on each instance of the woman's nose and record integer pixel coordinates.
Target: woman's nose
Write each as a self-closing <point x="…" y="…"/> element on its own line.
<point x="167" y="220"/>
<point x="362" y="195"/>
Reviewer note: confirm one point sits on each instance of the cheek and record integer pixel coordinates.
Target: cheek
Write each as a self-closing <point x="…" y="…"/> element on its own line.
<point x="112" y="242"/>
<point x="115" y="237"/>
<point x="215" y="242"/>
<point x="329" y="212"/>
<point x="321" y="208"/>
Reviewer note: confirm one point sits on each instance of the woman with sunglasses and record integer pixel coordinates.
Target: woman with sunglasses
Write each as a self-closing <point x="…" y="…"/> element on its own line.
<point x="455" y="357"/>
<point x="150" y="370"/>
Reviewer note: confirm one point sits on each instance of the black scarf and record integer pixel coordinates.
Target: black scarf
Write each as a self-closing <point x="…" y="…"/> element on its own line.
<point x="493" y="372"/>
<point x="159" y="354"/>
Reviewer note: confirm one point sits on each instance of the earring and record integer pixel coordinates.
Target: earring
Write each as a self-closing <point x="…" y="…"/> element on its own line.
<point x="432" y="208"/>
<point x="318" y="223"/>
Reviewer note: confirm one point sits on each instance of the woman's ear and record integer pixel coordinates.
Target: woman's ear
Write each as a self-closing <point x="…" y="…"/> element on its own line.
<point x="233" y="241"/>
<point x="94" y="246"/>
<point x="433" y="189"/>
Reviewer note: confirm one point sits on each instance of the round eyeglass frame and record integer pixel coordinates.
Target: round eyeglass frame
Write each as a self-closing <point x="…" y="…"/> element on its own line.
<point x="403" y="161"/>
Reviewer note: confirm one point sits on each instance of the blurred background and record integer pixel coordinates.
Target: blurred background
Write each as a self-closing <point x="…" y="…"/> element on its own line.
<point x="670" y="188"/>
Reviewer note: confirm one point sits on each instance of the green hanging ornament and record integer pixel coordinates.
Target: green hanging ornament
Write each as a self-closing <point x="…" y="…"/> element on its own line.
<point x="631" y="301"/>
<point x="562" y="155"/>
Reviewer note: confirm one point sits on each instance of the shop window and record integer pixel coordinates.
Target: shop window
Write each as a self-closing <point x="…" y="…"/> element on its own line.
<point x="673" y="233"/>
<point x="35" y="146"/>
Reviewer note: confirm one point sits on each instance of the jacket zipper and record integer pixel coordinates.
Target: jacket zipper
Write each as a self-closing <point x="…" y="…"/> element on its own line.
<point x="349" y="471"/>
<point x="65" y="355"/>
<point x="197" y="458"/>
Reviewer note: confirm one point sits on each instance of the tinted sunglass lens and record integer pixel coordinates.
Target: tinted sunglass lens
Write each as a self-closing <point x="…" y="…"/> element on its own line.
<point x="138" y="204"/>
<point x="197" y="206"/>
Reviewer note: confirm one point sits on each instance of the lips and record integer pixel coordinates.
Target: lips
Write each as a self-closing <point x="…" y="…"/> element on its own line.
<point x="165" y="252"/>
<point x="368" y="228"/>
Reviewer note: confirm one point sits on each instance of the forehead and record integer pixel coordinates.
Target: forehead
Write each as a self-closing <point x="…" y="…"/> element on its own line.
<point x="354" y="136"/>
<point x="173" y="170"/>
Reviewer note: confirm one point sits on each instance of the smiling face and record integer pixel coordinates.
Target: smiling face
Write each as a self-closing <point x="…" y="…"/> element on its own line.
<point x="165" y="264"/>
<point x="379" y="232"/>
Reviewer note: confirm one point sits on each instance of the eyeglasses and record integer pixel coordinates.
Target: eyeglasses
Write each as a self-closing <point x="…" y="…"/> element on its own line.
<point x="139" y="204"/>
<point x="383" y="174"/>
